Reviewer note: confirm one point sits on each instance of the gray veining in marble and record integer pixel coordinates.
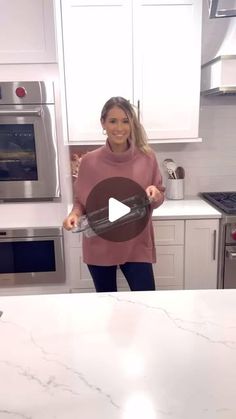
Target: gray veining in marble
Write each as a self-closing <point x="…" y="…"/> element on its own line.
<point x="152" y="355"/>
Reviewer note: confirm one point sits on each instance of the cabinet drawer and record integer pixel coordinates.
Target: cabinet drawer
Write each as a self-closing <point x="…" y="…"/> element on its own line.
<point x="169" y="232"/>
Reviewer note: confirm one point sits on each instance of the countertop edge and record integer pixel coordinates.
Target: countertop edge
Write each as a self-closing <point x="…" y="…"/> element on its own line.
<point x="186" y="217"/>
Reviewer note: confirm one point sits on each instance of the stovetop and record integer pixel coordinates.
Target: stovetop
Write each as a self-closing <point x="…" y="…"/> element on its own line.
<point x="225" y="201"/>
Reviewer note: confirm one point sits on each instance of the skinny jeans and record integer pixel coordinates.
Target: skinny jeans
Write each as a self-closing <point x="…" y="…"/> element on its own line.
<point x="139" y="276"/>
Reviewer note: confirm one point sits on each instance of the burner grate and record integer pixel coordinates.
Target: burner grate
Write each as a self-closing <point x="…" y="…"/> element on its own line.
<point x="223" y="200"/>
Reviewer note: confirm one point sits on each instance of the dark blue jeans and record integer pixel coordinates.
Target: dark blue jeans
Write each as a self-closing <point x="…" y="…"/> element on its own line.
<point x="139" y="276"/>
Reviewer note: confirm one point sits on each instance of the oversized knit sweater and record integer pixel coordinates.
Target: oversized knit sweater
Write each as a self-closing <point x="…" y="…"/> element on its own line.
<point x="133" y="164"/>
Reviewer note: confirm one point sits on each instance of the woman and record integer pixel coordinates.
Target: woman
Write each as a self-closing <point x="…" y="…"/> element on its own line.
<point x="126" y="154"/>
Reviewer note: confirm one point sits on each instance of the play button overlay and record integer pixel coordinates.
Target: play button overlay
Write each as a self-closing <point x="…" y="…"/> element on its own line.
<point x="117" y="209"/>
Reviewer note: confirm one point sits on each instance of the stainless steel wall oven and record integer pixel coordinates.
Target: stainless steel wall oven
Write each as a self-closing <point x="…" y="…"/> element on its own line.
<point x="226" y="203"/>
<point x="28" y="148"/>
<point x="31" y="256"/>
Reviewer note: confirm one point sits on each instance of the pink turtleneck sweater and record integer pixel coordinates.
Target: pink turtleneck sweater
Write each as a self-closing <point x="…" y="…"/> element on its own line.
<point x="133" y="164"/>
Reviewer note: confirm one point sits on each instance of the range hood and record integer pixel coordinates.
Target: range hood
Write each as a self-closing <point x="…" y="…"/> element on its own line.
<point x="219" y="76"/>
<point x="216" y="10"/>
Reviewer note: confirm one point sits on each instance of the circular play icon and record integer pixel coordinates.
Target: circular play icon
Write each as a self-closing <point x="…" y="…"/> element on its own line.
<point x="117" y="209"/>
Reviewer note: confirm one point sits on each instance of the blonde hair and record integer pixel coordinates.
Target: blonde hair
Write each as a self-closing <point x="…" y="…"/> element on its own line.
<point x="138" y="134"/>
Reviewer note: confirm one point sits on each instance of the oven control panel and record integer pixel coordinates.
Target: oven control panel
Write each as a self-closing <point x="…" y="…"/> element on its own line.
<point x="26" y="93"/>
<point x="231" y="233"/>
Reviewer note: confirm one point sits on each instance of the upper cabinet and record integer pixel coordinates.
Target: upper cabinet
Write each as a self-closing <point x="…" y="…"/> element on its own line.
<point x="147" y="51"/>
<point x="167" y="57"/>
<point x="97" y="38"/>
<point x="27" y="28"/>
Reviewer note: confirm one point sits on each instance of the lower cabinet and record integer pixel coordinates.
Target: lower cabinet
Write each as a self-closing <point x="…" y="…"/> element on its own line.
<point x="169" y="241"/>
<point x="186" y="251"/>
<point x="201" y="254"/>
<point x="168" y="270"/>
<point x="81" y="277"/>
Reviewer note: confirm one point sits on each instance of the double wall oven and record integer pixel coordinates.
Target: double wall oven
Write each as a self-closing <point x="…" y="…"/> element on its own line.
<point x="28" y="149"/>
<point x="226" y="203"/>
<point x="29" y="256"/>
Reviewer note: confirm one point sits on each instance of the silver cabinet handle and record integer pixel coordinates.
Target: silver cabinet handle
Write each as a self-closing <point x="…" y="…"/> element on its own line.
<point x="214" y="245"/>
<point x="20" y="113"/>
<point x="230" y="255"/>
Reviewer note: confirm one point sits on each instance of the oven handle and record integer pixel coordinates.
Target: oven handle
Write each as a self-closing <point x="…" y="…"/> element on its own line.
<point x="20" y="113"/>
<point x="230" y="255"/>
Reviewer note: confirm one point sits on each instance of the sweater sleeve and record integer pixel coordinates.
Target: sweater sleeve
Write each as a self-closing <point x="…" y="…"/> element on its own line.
<point x="157" y="181"/>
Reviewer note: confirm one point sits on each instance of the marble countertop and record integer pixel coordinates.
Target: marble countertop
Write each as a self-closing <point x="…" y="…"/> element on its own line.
<point x="190" y="208"/>
<point x="31" y="214"/>
<point x="20" y="215"/>
<point x="130" y="355"/>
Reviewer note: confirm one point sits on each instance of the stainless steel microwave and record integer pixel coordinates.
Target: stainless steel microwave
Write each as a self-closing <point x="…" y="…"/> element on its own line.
<point x="28" y="146"/>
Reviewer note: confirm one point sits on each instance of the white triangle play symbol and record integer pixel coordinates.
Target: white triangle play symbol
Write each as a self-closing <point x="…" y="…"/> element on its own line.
<point x="116" y="209"/>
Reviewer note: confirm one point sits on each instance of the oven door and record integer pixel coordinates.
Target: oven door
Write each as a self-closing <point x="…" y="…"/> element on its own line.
<point x="28" y="153"/>
<point x="31" y="261"/>
<point x="230" y="267"/>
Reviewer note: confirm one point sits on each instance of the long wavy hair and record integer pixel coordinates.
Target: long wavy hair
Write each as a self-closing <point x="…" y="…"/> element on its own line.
<point x="138" y="134"/>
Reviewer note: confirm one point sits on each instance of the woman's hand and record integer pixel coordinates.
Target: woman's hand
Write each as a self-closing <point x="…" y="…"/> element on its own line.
<point x="153" y="193"/>
<point x="71" y="221"/>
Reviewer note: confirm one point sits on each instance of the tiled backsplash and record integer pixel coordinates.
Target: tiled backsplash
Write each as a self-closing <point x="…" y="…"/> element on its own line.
<point x="210" y="165"/>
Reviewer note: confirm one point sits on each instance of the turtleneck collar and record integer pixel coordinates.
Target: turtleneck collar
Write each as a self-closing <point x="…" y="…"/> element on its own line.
<point x="118" y="157"/>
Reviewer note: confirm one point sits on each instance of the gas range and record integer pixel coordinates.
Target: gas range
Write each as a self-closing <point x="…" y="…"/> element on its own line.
<point x="225" y="202"/>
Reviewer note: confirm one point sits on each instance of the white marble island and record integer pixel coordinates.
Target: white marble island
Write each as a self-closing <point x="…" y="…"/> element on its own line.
<point x="144" y="355"/>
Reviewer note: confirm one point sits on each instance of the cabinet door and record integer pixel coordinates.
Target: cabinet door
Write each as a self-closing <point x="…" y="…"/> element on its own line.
<point x="167" y="44"/>
<point x="169" y="240"/>
<point x="168" y="271"/>
<point x="27" y="28"/>
<point x="80" y="277"/>
<point x="97" y="39"/>
<point x="201" y="254"/>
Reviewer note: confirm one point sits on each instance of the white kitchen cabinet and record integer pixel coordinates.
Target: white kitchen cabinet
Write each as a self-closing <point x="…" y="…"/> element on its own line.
<point x="187" y="257"/>
<point x="169" y="240"/>
<point x="97" y="42"/>
<point x="167" y="57"/>
<point x="79" y="276"/>
<point x="27" y="31"/>
<point x="168" y="272"/>
<point x="201" y="253"/>
<point x="146" y="51"/>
